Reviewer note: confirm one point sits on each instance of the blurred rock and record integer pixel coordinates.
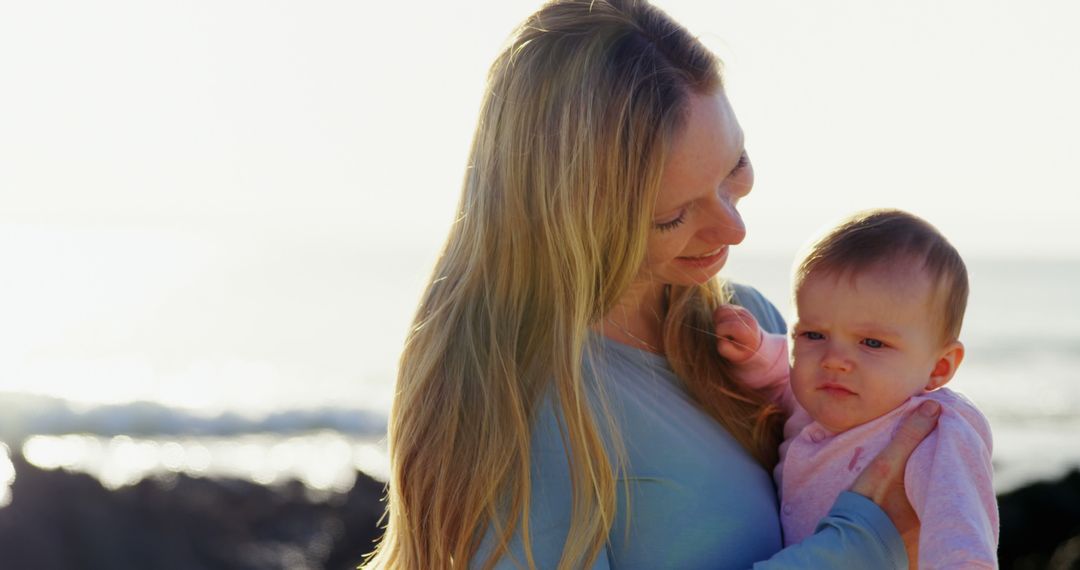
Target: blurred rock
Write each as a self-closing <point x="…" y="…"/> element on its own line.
<point x="63" y="520"/>
<point x="1040" y="525"/>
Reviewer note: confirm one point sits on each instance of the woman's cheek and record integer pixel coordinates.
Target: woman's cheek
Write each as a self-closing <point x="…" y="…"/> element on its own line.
<point x="663" y="249"/>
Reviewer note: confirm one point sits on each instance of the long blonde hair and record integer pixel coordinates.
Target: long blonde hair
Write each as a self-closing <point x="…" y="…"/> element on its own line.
<point x="579" y="114"/>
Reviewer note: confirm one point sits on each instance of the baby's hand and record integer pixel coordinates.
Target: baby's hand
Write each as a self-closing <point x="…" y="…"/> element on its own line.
<point x="737" y="332"/>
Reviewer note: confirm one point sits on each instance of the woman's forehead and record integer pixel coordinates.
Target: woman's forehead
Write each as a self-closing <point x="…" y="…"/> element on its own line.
<point x="703" y="152"/>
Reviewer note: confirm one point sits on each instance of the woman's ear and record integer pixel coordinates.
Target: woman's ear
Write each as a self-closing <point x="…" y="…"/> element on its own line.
<point x="947" y="363"/>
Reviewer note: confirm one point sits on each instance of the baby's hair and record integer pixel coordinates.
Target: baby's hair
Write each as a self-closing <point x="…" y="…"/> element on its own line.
<point x="886" y="239"/>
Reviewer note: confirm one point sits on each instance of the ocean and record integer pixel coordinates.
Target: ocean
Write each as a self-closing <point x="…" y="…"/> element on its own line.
<point x="282" y="366"/>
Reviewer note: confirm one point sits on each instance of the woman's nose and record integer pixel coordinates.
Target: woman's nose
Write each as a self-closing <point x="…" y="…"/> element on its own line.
<point x="725" y="224"/>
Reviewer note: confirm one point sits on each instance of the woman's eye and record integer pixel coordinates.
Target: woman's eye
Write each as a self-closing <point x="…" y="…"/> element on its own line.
<point x="672" y="224"/>
<point x="739" y="179"/>
<point x="744" y="160"/>
<point x="873" y="343"/>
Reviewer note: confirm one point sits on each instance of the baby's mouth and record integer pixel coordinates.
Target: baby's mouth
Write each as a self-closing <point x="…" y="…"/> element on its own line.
<point x="836" y="389"/>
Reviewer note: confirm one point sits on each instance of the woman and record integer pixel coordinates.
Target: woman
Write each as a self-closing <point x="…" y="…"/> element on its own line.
<point x="560" y="400"/>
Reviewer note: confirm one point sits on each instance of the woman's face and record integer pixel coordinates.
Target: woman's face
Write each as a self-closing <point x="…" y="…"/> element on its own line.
<point x="695" y="218"/>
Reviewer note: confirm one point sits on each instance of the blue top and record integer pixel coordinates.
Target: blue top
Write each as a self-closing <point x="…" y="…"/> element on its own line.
<point x="697" y="498"/>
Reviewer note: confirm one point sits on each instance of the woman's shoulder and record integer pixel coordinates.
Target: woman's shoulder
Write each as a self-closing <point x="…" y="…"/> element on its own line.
<point x="763" y="310"/>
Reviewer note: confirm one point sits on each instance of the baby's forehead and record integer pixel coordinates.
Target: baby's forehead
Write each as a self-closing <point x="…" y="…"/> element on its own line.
<point x="907" y="273"/>
<point x="909" y="282"/>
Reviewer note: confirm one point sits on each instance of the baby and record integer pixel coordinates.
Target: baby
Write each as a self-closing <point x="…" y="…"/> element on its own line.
<point x="880" y="301"/>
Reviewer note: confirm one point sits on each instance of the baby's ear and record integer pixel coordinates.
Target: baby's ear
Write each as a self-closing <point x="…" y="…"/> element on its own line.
<point x="948" y="361"/>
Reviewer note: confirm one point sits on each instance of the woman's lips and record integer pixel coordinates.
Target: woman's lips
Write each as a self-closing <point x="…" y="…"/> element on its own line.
<point x="706" y="260"/>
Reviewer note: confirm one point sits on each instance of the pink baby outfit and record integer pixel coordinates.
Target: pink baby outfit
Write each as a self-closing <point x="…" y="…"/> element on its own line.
<point x="948" y="477"/>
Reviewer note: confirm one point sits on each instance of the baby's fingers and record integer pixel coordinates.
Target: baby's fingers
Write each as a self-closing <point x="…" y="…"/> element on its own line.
<point x="738" y="325"/>
<point x="731" y="312"/>
<point x="732" y="350"/>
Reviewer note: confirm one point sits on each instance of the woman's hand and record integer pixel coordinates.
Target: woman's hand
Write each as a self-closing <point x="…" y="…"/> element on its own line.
<point x="738" y="335"/>
<point x="883" y="480"/>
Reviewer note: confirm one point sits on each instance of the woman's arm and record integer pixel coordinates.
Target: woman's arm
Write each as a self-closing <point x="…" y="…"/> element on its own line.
<point x="855" y="534"/>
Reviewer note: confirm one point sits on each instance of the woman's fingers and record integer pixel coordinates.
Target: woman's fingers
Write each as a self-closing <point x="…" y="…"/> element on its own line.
<point x="883" y="480"/>
<point x="886" y="471"/>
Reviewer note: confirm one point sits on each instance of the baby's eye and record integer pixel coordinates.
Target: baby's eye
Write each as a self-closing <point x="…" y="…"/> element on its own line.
<point x="812" y="335"/>
<point x="873" y="343"/>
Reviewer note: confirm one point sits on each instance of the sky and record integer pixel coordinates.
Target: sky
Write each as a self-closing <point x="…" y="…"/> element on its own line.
<point x="188" y="188"/>
<point x="350" y="121"/>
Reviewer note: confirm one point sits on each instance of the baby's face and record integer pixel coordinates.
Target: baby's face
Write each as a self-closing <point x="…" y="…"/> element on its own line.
<point x="863" y="346"/>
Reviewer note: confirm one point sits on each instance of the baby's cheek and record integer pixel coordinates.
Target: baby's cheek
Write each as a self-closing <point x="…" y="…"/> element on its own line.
<point x="896" y="396"/>
<point x="801" y="373"/>
<point x="801" y="387"/>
